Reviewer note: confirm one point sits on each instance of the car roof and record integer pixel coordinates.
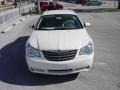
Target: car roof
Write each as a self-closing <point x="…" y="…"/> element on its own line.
<point x="52" y="12"/>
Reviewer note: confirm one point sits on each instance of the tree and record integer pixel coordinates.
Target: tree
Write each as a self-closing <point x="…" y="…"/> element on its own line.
<point x="15" y="3"/>
<point x="118" y="4"/>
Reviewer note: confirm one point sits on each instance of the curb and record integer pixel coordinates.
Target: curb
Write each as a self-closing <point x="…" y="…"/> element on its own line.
<point x="4" y="30"/>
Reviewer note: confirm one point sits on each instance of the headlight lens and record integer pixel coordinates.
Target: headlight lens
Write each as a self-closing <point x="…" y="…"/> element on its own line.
<point x="32" y="52"/>
<point x="87" y="50"/>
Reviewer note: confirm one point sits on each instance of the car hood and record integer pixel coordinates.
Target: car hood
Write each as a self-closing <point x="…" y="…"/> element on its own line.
<point x="59" y="39"/>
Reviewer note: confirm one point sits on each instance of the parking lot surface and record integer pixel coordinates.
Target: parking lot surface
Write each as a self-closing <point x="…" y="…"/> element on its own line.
<point x="104" y="75"/>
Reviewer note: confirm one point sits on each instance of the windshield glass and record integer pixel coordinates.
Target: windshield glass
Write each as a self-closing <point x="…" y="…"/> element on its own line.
<point x="60" y="22"/>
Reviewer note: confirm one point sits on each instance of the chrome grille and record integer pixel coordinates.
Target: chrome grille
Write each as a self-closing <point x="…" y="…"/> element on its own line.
<point x="59" y="55"/>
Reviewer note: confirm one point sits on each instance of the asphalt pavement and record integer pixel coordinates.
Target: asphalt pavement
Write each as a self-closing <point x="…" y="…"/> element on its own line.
<point x="104" y="75"/>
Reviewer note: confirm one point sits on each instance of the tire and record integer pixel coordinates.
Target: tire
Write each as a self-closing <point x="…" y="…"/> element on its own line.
<point x="61" y="8"/>
<point x="46" y="9"/>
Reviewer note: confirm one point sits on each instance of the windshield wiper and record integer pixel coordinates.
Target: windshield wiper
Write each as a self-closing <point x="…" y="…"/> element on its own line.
<point x="58" y="28"/>
<point x="48" y="28"/>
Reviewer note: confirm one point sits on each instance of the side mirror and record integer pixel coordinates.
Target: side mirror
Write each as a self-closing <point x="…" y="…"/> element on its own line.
<point x="33" y="26"/>
<point x="87" y="24"/>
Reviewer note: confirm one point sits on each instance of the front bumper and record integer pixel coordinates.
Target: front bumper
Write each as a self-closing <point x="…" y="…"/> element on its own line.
<point x="80" y="63"/>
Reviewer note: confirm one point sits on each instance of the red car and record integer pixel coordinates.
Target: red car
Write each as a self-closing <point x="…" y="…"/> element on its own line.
<point x="44" y="6"/>
<point x="50" y="6"/>
<point x="54" y="6"/>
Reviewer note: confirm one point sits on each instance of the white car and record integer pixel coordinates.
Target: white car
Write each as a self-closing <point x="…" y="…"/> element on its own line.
<point x="59" y="44"/>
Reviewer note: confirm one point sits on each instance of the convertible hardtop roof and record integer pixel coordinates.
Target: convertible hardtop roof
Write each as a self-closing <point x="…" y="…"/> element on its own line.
<point x="53" y="12"/>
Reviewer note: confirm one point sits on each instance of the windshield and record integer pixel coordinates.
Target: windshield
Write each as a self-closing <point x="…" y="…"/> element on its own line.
<point x="59" y="22"/>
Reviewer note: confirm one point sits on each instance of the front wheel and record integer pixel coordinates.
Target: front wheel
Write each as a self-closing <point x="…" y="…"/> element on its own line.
<point x="46" y="9"/>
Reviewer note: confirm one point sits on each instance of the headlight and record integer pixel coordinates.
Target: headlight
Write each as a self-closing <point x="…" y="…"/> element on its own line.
<point x="87" y="50"/>
<point x="32" y="52"/>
